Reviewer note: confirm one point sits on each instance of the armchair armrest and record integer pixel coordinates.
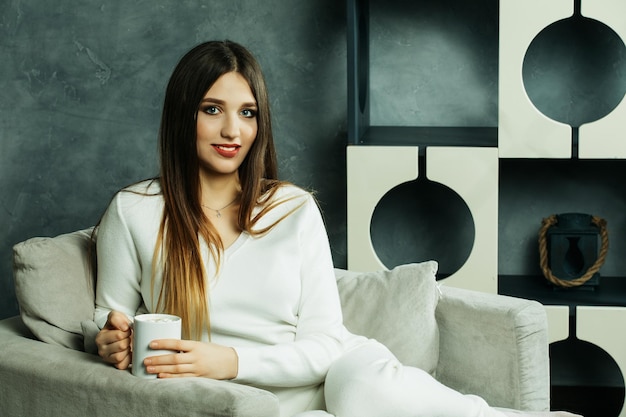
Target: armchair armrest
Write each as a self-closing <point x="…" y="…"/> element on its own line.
<point x="37" y="378"/>
<point x="494" y="346"/>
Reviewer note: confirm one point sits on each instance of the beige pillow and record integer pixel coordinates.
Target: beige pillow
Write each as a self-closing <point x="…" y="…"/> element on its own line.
<point x="54" y="286"/>
<point x="397" y="308"/>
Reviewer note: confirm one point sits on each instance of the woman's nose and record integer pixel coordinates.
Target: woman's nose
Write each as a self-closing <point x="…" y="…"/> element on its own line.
<point x="230" y="128"/>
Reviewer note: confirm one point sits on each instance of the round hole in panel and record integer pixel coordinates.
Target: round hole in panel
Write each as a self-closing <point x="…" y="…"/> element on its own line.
<point x="585" y="379"/>
<point x="574" y="70"/>
<point x="422" y="220"/>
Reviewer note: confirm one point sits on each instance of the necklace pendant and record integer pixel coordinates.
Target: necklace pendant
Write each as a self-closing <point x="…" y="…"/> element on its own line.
<point x="218" y="212"/>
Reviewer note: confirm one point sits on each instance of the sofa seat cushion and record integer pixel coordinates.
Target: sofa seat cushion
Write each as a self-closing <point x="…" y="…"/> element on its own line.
<point x="397" y="308"/>
<point x="54" y="286"/>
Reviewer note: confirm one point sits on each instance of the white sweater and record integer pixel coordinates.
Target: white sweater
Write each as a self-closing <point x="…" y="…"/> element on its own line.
<point x="275" y="300"/>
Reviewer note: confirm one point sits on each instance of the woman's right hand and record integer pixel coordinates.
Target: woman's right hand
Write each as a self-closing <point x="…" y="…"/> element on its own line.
<point x="114" y="341"/>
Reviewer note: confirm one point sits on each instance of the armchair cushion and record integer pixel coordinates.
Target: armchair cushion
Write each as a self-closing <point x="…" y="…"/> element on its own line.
<point x="54" y="287"/>
<point x="397" y="308"/>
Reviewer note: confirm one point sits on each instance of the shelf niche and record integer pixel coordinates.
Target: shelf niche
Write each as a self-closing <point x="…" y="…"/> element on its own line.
<point x="400" y="101"/>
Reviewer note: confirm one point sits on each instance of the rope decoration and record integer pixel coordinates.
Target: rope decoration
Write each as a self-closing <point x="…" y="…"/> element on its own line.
<point x="543" y="253"/>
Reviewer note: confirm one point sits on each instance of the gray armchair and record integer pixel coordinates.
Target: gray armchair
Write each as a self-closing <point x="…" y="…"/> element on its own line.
<point x="490" y="345"/>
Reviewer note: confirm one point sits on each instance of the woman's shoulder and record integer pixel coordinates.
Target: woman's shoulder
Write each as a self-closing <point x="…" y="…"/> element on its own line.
<point x="150" y="187"/>
<point x="282" y="200"/>
<point x="291" y="196"/>
<point x="139" y="196"/>
<point x="291" y="191"/>
<point x="141" y="189"/>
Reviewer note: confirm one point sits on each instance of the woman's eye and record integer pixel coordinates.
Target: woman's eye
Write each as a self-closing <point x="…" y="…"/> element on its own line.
<point x="248" y="113"/>
<point x="211" y="110"/>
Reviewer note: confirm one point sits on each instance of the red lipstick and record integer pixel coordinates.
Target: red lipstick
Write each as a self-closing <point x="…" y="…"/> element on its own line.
<point x="227" y="151"/>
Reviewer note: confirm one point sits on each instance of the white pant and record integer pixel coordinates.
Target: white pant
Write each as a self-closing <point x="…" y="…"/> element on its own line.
<point x="369" y="381"/>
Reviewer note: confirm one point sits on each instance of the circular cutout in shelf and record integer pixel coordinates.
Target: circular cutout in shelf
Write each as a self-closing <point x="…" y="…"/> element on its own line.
<point x="423" y="220"/>
<point x="585" y="379"/>
<point x="574" y="70"/>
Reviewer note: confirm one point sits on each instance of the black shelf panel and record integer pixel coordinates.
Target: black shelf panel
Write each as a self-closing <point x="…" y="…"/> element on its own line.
<point x="611" y="291"/>
<point x="430" y="136"/>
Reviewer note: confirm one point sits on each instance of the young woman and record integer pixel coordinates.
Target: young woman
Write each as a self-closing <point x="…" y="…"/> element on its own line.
<point x="244" y="259"/>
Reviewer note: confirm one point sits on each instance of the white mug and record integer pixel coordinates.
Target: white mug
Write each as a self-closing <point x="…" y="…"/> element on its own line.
<point x="149" y="327"/>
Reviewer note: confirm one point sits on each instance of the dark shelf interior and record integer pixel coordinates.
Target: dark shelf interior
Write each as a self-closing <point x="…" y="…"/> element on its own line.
<point x="610" y="292"/>
<point x="588" y="401"/>
<point x="430" y="136"/>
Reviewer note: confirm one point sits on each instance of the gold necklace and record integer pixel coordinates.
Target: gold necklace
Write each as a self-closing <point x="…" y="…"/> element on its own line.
<point x="217" y="211"/>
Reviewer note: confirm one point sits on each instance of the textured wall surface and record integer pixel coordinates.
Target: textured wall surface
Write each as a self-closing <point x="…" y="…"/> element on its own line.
<point x="434" y="63"/>
<point x="82" y="86"/>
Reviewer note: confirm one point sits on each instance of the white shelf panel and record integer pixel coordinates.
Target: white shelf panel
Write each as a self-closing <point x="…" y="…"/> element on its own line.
<point x="471" y="172"/>
<point x="523" y="131"/>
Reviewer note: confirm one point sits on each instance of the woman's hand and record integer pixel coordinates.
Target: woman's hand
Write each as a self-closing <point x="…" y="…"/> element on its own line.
<point x="195" y="359"/>
<point x="114" y="340"/>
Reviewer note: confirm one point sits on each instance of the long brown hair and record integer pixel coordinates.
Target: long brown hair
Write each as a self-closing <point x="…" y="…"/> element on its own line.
<point x="184" y="288"/>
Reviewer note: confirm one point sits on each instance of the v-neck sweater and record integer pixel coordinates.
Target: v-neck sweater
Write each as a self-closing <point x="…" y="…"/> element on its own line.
<point x="275" y="299"/>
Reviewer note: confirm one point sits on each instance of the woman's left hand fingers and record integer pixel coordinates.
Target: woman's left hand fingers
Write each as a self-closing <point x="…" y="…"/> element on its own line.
<point x="170" y="344"/>
<point x="175" y="364"/>
<point x="193" y="359"/>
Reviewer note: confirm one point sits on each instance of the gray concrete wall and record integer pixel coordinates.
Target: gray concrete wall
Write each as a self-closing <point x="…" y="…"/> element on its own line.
<point x="82" y="86"/>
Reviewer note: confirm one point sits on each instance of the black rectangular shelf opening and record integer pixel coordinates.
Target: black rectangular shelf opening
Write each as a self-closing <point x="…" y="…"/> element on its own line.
<point x="611" y="292"/>
<point x="429" y="136"/>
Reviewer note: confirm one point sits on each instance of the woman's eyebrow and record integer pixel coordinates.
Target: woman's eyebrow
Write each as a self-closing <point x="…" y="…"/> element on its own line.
<point x="222" y="102"/>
